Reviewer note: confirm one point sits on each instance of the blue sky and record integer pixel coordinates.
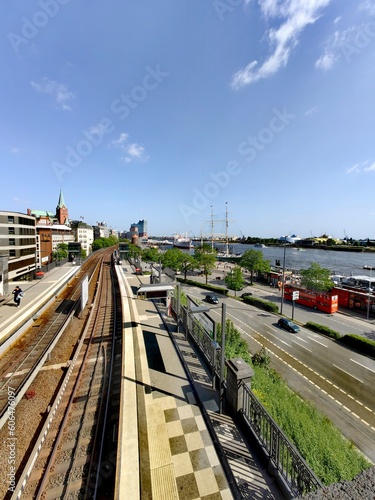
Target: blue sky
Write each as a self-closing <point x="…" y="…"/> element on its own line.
<point x="172" y="111"/>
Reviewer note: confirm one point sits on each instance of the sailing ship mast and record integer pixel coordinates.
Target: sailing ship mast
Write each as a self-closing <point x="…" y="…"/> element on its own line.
<point x="226" y="228"/>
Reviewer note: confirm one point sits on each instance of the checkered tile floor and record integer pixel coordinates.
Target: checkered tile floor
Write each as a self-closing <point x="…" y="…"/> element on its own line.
<point x="198" y="472"/>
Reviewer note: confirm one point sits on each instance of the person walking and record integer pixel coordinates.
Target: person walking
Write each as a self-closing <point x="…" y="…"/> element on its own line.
<point x="18" y="294"/>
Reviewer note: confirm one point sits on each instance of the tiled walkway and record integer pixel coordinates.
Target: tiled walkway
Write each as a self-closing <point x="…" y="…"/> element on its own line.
<point x="187" y="449"/>
<point x="179" y="443"/>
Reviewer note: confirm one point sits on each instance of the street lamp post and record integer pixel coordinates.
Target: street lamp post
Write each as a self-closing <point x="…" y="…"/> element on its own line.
<point x="178" y="306"/>
<point x="222" y="358"/>
<point x="283" y="283"/>
<point x="369" y="297"/>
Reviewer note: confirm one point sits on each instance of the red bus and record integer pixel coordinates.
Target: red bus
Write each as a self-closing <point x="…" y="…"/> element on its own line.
<point x="356" y="300"/>
<point x="322" y="301"/>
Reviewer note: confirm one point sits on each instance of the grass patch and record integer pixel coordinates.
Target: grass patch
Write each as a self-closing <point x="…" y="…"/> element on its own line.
<point x="328" y="453"/>
<point x="332" y="458"/>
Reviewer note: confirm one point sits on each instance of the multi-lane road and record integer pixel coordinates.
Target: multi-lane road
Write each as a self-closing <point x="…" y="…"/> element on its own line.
<point x="338" y="380"/>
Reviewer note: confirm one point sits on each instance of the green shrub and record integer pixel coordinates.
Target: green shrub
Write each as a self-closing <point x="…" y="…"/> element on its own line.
<point x="262" y="358"/>
<point x="262" y="304"/>
<point x="324" y="330"/>
<point x="235" y="345"/>
<point x="212" y="288"/>
<point x="361" y="344"/>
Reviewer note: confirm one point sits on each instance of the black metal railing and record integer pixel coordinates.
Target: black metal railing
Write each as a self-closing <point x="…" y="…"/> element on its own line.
<point x="284" y="457"/>
<point x="287" y="463"/>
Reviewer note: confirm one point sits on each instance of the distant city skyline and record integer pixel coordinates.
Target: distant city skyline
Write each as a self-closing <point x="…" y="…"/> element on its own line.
<point x="142" y="110"/>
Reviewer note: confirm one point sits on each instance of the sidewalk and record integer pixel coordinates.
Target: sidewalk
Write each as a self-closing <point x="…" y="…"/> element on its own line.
<point x="244" y="471"/>
<point x="37" y="294"/>
<point x="163" y="430"/>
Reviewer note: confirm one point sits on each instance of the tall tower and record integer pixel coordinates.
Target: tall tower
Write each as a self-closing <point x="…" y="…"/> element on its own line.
<point x="61" y="210"/>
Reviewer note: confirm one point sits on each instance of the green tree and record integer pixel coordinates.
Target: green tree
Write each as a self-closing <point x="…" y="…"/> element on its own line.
<point x="172" y="258"/>
<point x="98" y="244"/>
<point x="134" y="251"/>
<point x="61" y="252"/>
<point x="206" y="262"/>
<point x="235" y="280"/>
<point x="187" y="263"/>
<point x="316" y="278"/>
<point x="104" y="243"/>
<point x="253" y="261"/>
<point x="150" y="254"/>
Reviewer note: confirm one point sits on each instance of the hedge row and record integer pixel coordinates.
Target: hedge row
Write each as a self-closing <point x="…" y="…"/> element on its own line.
<point x="262" y="304"/>
<point x="360" y="344"/>
<point x="324" y="330"/>
<point x="211" y="288"/>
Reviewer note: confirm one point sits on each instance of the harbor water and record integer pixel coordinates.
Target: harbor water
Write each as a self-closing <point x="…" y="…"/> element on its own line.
<point x="339" y="262"/>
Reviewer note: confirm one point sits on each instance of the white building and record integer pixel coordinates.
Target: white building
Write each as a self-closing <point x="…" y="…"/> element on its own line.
<point x="84" y="234"/>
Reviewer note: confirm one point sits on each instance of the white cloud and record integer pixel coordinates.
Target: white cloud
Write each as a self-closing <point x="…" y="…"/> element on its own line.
<point x="14" y="150"/>
<point x="337" y="44"/>
<point x="121" y="140"/>
<point x="368" y="6"/>
<point x="358" y="168"/>
<point x="297" y="14"/>
<point x="133" y="151"/>
<point x="59" y="91"/>
<point x="353" y="169"/>
<point x="311" y="111"/>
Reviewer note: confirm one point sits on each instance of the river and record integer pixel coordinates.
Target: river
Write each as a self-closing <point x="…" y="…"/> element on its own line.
<point x="345" y="263"/>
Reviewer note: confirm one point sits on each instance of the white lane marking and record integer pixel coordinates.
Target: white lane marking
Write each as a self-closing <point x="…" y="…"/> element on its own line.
<point x="317" y="341"/>
<point x="363" y="366"/>
<point x="370" y="410"/>
<point x="301" y="339"/>
<point x="347" y="373"/>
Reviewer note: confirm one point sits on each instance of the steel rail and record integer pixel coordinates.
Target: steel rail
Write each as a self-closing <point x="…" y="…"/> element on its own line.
<point x="22" y="386"/>
<point x="28" y="469"/>
<point x="106" y="409"/>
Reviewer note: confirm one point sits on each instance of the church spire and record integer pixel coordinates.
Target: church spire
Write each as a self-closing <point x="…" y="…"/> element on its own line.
<point x="62" y="211"/>
<point x="61" y="202"/>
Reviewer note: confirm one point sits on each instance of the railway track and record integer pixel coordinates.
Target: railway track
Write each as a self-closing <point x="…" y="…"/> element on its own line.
<point x="39" y="419"/>
<point x="66" y="464"/>
<point x="20" y="365"/>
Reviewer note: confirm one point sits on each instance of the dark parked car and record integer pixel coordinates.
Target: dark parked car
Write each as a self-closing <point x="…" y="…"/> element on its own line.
<point x="288" y="325"/>
<point x="211" y="299"/>
<point x="246" y="294"/>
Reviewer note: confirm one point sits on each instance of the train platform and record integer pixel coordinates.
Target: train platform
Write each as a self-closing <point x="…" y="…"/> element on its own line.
<point x="187" y="448"/>
<point x="38" y="293"/>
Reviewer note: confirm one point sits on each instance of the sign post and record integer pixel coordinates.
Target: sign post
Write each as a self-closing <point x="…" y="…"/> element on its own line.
<point x="295" y="297"/>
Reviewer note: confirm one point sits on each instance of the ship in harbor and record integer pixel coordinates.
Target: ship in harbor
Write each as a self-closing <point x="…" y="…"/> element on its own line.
<point x="183" y="242"/>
